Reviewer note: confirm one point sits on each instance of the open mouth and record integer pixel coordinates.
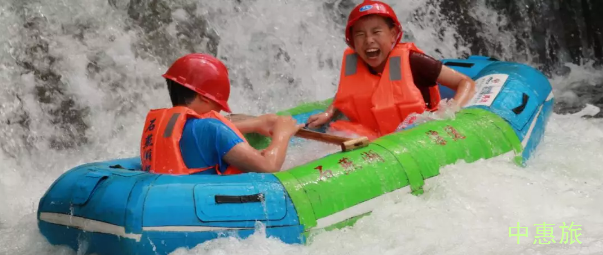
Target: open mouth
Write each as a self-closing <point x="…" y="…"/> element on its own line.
<point x="372" y="53"/>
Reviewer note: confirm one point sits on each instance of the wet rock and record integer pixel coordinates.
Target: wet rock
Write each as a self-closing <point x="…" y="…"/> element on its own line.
<point x="154" y="17"/>
<point x="50" y="91"/>
<point x="548" y="31"/>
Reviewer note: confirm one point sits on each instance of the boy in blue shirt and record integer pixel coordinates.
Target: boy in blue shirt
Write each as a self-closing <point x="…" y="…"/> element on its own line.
<point x="193" y="138"/>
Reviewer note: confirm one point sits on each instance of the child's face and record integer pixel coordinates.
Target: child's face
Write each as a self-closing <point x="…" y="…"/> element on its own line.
<point x="373" y="40"/>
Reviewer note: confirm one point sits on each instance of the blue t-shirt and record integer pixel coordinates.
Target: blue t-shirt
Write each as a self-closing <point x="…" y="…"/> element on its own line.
<point x="205" y="141"/>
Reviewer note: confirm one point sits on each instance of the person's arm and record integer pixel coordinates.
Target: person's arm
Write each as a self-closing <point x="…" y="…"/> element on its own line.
<point x="460" y="83"/>
<point x="323" y="117"/>
<point x="248" y="159"/>
<point x="261" y="125"/>
<point x="427" y="71"/>
<point x="331" y="110"/>
<point x="220" y="144"/>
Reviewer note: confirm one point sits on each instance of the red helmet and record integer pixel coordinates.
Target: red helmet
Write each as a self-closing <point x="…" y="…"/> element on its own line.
<point x="366" y="8"/>
<point x="203" y="74"/>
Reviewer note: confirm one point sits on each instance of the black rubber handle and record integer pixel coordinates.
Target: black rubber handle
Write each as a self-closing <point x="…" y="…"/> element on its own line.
<point x="223" y="199"/>
<point x="519" y="109"/>
<point x="461" y="64"/>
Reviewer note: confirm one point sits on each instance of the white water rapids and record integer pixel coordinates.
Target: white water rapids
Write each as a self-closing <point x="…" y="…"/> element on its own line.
<point x="280" y="53"/>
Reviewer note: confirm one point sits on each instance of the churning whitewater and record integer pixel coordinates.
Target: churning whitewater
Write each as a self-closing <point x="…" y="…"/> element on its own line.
<point x="78" y="78"/>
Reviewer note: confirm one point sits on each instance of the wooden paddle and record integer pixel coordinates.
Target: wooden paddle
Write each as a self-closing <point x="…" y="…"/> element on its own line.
<point x="347" y="144"/>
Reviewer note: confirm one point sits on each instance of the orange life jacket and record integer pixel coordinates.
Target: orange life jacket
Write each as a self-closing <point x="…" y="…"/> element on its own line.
<point x="377" y="104"/>
<point x="160" y="143"/>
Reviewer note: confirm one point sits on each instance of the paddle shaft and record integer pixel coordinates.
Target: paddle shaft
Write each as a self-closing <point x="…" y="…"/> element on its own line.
<point x="303" y="133"/>
<point x="313" y="135"/>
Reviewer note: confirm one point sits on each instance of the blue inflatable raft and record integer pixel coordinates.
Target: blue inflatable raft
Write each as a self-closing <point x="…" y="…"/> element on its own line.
<point x="113" y="207"/>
